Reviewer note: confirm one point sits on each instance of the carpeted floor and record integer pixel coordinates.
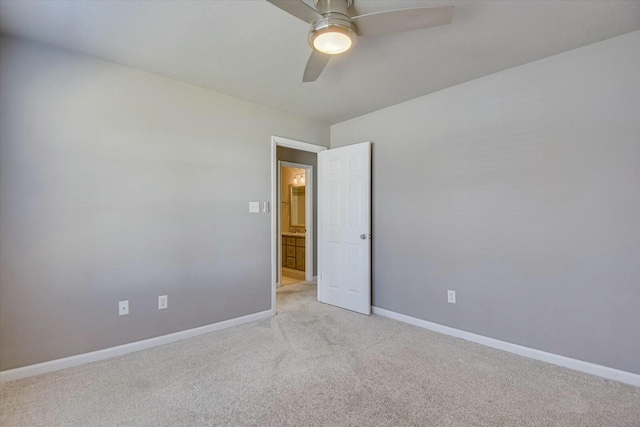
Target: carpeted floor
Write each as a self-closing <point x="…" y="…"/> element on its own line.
<point x="314" y="364"/>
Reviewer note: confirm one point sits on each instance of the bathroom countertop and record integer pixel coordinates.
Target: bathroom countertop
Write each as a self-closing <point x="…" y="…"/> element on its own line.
<point x="290" y="234"/>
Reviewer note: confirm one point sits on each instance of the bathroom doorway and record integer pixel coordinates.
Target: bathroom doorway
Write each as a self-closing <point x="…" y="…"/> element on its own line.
<point x="295" y="223"/>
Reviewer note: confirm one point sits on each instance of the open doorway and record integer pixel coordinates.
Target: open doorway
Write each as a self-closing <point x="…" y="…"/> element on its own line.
<point x="294" y="221"/>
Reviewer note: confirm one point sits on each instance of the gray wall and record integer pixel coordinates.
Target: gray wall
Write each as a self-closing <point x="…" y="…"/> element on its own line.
<point x="306" y="158"/>
<point x="118" y="184"/>
<point x="520" y="191"/>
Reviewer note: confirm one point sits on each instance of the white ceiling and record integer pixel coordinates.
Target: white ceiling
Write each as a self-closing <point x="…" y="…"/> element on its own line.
<point x="252" y="50"/>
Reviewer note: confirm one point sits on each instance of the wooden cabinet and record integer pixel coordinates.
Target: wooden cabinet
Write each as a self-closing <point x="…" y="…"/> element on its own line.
<point x="300" y="259"/>
<point x="284" y="254"/>
<point x="293" y="255"/>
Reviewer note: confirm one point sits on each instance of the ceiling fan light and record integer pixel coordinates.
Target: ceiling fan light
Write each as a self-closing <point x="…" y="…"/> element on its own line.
<point x="332" y="42"/>
<point x="333" y="35"/>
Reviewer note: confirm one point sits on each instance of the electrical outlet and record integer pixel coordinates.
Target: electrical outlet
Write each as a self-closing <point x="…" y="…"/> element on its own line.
<point x="163" y="302"/>
<point x="254" y="207"/>
<point x="123" y="307"/>
<point x="451" y="297"/>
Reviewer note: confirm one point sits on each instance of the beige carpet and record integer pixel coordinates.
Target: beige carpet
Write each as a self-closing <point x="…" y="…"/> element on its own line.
<point x="314" y="364"/>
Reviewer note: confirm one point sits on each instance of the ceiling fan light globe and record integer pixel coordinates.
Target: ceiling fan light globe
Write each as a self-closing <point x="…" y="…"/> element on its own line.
<point x="332" y="35"/>
<point x="332" y="43"/>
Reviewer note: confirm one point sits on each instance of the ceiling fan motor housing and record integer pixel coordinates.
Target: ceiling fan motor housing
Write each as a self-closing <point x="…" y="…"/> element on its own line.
<point x="338" y="6"/>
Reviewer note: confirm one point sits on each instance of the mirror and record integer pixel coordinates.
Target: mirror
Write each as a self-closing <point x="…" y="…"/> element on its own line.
<point x="297" y="206"/>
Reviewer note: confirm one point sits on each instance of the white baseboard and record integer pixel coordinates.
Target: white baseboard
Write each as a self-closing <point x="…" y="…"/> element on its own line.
<point x="94" y="356"/>
<point x="556" y="359"/>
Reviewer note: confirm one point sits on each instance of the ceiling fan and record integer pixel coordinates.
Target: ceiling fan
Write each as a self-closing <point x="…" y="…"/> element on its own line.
<point x="334" y="32"/>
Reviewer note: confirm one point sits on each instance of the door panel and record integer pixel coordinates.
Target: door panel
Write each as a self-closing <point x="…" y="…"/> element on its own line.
<point x="345" y="227"/>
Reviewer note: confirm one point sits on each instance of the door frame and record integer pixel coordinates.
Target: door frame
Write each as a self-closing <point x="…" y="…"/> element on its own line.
<point x="278" y="141"/>
<point x="308" y="207"/>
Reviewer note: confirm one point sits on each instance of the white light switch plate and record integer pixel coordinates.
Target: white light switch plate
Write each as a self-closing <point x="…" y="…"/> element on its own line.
<point x="254" y="207"/>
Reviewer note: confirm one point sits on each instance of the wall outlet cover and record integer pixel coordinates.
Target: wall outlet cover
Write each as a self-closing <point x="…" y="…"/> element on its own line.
<point x="451" y="297"/>
<point x="163" y="302"/>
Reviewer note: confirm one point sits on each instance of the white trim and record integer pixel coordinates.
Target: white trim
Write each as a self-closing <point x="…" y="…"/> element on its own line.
<point x="318" y="244"/>
<point x="121" y="350"/>
<point x="297" y="145"/>
<point x="279" y="253"/>
<point x="274" y="226"/>
<point x="556" y="359"/>
<point x="309" y="242"/>
<point x="314" y="278"/>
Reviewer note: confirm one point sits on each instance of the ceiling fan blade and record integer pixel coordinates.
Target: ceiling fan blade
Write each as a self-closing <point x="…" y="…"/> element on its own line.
<point x="400" y="20"/>
<point x="298" y="8"/>
<point x="316" y="63"/>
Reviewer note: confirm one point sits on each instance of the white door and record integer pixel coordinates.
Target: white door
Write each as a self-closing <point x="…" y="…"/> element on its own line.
<point x="345" y="227"/>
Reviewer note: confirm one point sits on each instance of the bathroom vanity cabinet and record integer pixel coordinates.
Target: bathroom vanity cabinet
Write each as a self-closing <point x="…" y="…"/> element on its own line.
<point x="293" y="251"/>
